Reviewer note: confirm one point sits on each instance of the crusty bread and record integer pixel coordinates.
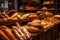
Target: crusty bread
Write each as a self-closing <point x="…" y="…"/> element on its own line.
<point x="9" y="33"/>
<point x="3" y="36"/>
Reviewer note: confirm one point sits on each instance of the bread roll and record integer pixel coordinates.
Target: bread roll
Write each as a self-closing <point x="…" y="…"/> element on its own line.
<point x="18" y="16"/>
<point x="3" y="36"/>
<point x="37" y="25"/>
<point x="9" y="33"/>
<point x="32" y="29"/>
<point x="35" y="22"/>
<point x="43" y="23"/>
<point x="15" y="18"/>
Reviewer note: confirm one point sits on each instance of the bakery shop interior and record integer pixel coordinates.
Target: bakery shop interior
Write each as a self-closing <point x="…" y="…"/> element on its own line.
<point x="29" y="19"/>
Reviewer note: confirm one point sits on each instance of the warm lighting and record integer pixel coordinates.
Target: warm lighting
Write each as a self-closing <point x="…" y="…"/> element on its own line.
<point x="10" y="3"/>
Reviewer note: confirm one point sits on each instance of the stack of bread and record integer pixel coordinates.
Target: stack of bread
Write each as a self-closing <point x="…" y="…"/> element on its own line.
<point x="14" y="33"/>
<point x="30" y="29"/>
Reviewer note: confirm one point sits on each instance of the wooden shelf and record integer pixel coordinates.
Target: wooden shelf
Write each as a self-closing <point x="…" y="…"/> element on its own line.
<point x="49" y="4"/>
<point x="28" y="10"/>
<point x="38" y="10"/>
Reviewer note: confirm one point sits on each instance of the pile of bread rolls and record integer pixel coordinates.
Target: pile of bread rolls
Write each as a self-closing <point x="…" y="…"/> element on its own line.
<point x="29" y="30"/>
<point x="14" y="33"/>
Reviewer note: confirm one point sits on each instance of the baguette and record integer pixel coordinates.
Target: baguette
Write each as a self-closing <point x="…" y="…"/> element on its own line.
<point x="24" y="30"/>
<point x="3" y="36"/>
<point x="4" y="14"/>
<point x="14" y="15"/>
<point x="3" y="27"/>
<point x="21" y="33"/>
<point x="9" y="33"/>
<point x="17" y="35"/>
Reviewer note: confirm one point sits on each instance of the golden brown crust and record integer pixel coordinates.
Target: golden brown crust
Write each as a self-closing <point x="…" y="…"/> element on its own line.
<point x="18" y="36"/>
<point x="32" y="29"/>
<point x="9" y="33"/>
<point x="3" y="36"/>
<point x="14" y="15"/>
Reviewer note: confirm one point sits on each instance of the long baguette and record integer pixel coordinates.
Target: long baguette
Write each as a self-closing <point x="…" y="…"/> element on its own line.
<point x="3" y="36"/>
<point x="3" y="27"/>
<point x="24" y="30"/>
<point x="14" y="15"/>
<point x="4" y="14"/>
<point x="9" y="33"/>
<point x="17" y="35"/>
<point x="22" y="34"/>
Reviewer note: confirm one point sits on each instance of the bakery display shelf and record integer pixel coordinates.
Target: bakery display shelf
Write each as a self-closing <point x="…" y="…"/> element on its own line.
<point x="38" y="10"/>
<point x="35" y="3"/>
<point x="51" y="9"/>
<point x="49" y="4"/>
<point x="29" y="3"/>
<point x="28" y="10"/>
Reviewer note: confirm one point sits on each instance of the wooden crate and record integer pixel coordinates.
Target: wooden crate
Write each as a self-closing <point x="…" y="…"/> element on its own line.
<point x="55" y="32"/>
<point x="50" y="34"/>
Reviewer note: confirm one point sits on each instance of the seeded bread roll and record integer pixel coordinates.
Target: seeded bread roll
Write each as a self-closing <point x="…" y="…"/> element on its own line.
<point x="3" y="36"/>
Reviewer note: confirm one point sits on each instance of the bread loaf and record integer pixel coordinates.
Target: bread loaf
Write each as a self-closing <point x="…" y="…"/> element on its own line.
<point x="32" y="29"/>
